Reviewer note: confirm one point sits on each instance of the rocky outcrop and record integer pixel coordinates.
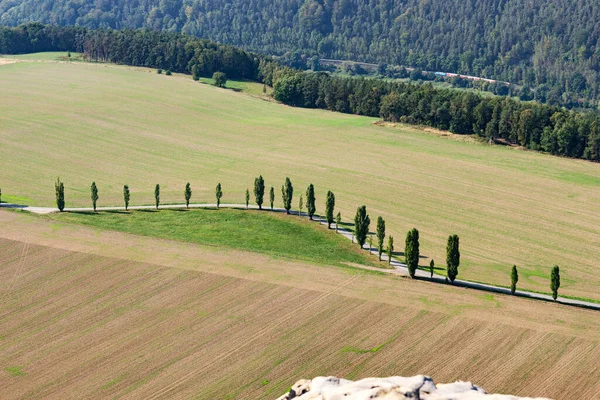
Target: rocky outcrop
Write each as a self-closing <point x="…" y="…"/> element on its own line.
<point x="418" y="387"/>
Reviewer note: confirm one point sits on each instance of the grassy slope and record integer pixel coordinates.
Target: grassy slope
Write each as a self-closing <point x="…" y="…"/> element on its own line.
<point x="118" y="125"/>
<point x="188" y="321"/>
<point x="262" y="232"/>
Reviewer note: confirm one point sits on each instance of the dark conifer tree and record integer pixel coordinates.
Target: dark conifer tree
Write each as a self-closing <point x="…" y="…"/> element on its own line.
<point x="452" y="257"/>
<point x="259" y="191"/>
<point x="272" y="196"/>
<point x="157" y="195"/>
<point x="218" y="194"/>
<point x="555" y="281"/>
<point x="361" y="225"/>
<point x="514" y="278"/>
<point x="59" y="190"/>
<point x="411" y="251"/>
<point x="126" y="196"/>
<point x="380" y="235"/>
<point x="310" y="201"/>
<point x="188" y="194"/>
<point x="94" y="195"/>
<point x="329" y="208"/>
<point x="287" y="193"/>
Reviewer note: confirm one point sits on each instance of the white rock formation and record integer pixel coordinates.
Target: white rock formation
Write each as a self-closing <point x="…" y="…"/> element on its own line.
<point x="418" y="387"/>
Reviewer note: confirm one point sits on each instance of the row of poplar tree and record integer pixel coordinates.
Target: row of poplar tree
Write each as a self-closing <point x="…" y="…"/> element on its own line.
<point x="361" y="231"/>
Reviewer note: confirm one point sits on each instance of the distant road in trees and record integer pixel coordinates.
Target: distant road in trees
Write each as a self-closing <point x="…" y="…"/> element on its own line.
<point x="399" y="267"/>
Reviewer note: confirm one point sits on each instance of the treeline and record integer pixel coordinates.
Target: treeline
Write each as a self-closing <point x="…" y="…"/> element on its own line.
<point x="529" y="124"/>
<point x="144" y="48"/>
<point x="361" y="229"/>
<point x="549" y="46"/>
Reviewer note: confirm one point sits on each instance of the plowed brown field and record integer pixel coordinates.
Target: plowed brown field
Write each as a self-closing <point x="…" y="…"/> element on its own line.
<point x="158" y="319"/>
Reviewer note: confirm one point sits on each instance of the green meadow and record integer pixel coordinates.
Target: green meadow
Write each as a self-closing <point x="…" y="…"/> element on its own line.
<point x="119" y="125"/>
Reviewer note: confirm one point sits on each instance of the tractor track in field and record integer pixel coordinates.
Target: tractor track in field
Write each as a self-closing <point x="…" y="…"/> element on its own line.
<point x="399" y="267"/>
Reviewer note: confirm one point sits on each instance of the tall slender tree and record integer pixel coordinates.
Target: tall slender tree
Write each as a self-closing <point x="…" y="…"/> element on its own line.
<point x="94" y="195"/>
<point x="247" y="198"/>
<point x="272" y="196"/>
<point x="514" y="278"/>
<point x="390" y="248"/>
<point x="188" y="194"/>
<point x="338" y="221"/>
<point x="126" y="196"/>
<point x="380" y="235"/>
<point x="259" y="191"/>
<point x="218" y="194"/>
<point x="310" y="201"/>
<point x="329" y="207"/>
<point x="411" y="251"/>
<point x="300" y="205"/>
<point x="431" y="268"/>
<point x="452" y="257"/>
<point x="555" y="281"/>
<point x="59" y="190"/>
<point x="361" y="225"/>
<point x="287" y="193"/>
<point x="157" y="195"/>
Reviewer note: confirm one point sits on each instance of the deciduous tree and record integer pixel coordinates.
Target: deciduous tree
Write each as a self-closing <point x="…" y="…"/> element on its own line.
<point x="259" y="191"/>
<point x="338" y="220"/>
<point x="329" y="208"/>
<point x="220" y="79"/>
<point x="431" y="268"/>
<point x="94" y="195"/>
<point x="380" y="235"/>
<point x="287" y="193"/>
<point x="59" y="190"/>
<point x="188" y="194"/>
<point x="555" y="281"/>
<point x="361" y="225"/>
<point x="310" y="201"/>
<point x="300" y="205"/>
<point x="390" y="248"/>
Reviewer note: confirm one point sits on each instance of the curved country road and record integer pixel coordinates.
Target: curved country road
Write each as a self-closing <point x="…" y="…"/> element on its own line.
<point x="399" y="268"/>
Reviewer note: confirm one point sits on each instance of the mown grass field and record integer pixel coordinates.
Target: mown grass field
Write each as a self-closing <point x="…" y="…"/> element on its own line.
<point x="117" y="125"/>
<point x="274" y="234"/>
<point x="99" y="314"/>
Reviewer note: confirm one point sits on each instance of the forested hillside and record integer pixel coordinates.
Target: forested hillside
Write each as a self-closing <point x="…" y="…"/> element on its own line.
<point x="552" y="46"/>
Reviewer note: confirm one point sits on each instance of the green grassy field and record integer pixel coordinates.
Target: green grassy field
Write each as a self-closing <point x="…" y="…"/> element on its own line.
<point x="277" y="235"/>
<point x="118" y="125"/>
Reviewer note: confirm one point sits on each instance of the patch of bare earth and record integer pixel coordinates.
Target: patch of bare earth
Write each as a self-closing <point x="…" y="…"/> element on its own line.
<point x="93" y="314"/>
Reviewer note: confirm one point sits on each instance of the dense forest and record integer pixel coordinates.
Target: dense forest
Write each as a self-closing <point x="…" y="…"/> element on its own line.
<point x="549" y="46"/>
<point x="145" y="48"/>
<point x="533" y="125"/>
